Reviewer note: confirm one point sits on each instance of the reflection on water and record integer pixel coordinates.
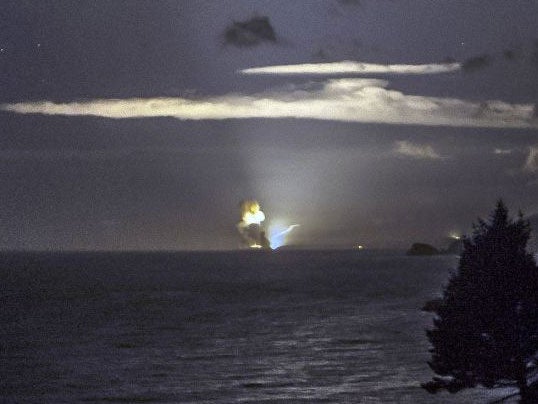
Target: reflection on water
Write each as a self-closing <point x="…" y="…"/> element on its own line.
<point x="289" y="326"/>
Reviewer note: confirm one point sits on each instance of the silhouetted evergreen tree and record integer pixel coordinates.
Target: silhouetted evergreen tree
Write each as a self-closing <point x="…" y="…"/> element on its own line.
<point x="486" y="327"/>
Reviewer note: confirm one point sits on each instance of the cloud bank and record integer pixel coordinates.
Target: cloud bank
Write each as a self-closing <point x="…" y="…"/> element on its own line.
<point x="350" y="67"/>
<point x="349" y="100"/>
<point x="416" y="151"/>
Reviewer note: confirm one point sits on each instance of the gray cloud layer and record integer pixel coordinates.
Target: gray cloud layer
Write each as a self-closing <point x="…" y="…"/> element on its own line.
<point x="344" y="99"/>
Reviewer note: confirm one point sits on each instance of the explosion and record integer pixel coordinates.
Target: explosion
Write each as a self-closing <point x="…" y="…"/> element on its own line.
<point x="253" y="231"/>
<point x="250" y="227"/>
<point x="251" y="213"/>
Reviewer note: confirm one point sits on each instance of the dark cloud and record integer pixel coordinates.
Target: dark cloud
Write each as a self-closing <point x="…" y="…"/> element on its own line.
<point x="250" y="33"/>
<point x="509" y="54"/>
<point x="350" y="2"/>
<point x="320" y="54"/>
<point x="535" y="51"/>
<point x="342" y="8"/>
<point x="476" y="63"/>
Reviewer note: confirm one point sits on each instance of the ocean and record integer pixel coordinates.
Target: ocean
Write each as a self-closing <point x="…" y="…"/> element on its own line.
<point x="219" y="327"/>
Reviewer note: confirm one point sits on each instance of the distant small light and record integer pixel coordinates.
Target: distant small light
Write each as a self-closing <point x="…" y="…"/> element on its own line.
<point x="359" y="247"/>
<point x="455" y="236"/>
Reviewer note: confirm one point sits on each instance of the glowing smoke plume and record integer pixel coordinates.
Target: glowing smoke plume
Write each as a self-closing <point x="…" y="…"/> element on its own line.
<point x="251" y="213"/>
<point x="250" y="227"/>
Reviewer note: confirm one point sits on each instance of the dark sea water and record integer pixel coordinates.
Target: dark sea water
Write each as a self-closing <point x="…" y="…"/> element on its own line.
<point x="221" y="327"/>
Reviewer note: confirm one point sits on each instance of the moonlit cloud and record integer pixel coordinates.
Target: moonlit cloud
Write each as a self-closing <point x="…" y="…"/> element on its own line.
<point x="531" y="163"/>
<point x="350" y="100"/>
<point x="350" y="67"/>
<point x="417" y="151"/>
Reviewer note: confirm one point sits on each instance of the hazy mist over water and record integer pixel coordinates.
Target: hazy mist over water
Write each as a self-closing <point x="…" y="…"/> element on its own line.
<point x="244" y="326"/>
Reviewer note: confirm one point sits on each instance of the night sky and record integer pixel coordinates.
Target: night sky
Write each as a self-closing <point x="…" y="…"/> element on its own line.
<point x="136" y="124"/>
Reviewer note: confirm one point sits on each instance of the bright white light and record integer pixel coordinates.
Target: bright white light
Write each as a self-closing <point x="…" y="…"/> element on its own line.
<point x="254" y="217"/>
<point x="278" y="233"/>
